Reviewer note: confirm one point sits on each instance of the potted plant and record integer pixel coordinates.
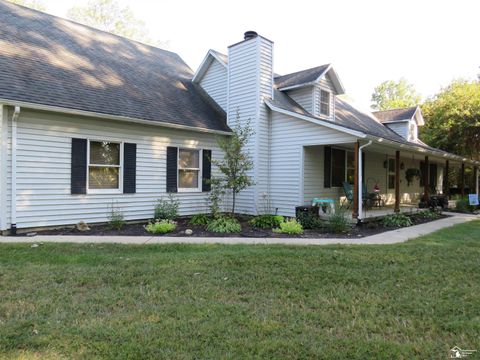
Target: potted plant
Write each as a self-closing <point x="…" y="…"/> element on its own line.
<point x="411" y="174"/>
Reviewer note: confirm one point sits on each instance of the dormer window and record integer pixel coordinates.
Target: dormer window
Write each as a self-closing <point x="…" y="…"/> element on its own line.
<point x="412" y="131"/>
<point x="324" y="103"/>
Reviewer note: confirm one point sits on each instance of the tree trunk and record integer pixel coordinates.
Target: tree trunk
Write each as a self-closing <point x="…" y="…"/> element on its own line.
<point x="233" y="203"/>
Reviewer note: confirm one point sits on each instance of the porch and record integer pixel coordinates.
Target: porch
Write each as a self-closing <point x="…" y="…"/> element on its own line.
<point x="403" y="179"/>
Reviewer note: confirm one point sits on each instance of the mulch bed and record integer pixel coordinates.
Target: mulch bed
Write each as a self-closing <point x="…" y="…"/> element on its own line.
<point x="138" y="229"/>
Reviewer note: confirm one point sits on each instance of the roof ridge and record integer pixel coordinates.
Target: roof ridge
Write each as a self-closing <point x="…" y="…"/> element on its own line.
<point x="43" y="13"/>
<point x="396" y="109"/>
<point x="297" y="72"/>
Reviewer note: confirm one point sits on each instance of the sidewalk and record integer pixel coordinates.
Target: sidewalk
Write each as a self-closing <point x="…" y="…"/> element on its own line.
<point x="388" y="237"/>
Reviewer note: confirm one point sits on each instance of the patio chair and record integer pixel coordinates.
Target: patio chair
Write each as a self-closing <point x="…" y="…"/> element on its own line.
<point x="348" y="190"/>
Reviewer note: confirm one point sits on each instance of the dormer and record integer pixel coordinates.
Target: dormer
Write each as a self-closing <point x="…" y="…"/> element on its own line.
<point x="313" y="89"/>
<point x="404" y="122"/>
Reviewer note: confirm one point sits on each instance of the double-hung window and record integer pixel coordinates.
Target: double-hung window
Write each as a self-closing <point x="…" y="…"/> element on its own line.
<point x="342" y="167"/>
<point x="324" y="103"/>
<point x="104" y="166"/>
<point x="189" y="170"/>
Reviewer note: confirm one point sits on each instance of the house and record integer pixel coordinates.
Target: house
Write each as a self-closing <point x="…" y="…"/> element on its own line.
<point x="89" y="120"/>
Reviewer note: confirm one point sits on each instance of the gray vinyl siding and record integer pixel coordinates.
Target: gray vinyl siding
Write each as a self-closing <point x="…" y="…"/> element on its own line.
<point x="401" y="128"/>
<point x="289" y="137"/>
<point x="43" y="169"/>
<point x="304" y="97"/>
<point x="314" y="175"/>
<point x="214" y="82"/>
<point x="324" y="84"/>
<point x="250" y="83"/>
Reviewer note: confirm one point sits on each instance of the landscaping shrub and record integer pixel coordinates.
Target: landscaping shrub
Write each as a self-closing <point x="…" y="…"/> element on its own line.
<point x="199" y="219"/>
<point x="290" y="227"/>
<point x="166" y="209"/>
<point x="161" y="227"/>
<point x="429" y="214"/>
<point x="224" y="225"/>
<point x="115" y="219"/>
<point x="463" y="205"/>
<point x="338" y="221"/>
<point x="309" y="220"/>
<point x="396" y="220"/>
<point x="266" y="221"/>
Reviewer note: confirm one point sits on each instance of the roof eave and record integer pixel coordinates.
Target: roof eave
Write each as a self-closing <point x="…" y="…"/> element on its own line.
<point x="206" y="62"/>
<point x="419" y="149"/>
<point x="70" y="111"/>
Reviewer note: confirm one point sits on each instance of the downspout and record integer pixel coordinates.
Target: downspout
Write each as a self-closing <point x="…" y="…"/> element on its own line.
<point x="360" y="180"/>
<point x="13" y="192"/>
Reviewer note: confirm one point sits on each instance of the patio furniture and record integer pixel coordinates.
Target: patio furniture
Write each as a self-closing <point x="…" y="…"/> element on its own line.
<point x="348" y="190"/>
<point x="327" y="205"/>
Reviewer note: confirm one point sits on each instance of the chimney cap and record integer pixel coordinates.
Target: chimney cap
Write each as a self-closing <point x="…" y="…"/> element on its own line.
<point x="250" y="35"/>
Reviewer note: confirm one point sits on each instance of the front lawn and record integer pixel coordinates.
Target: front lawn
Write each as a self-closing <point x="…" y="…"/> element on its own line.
<point x="412" y="300"/>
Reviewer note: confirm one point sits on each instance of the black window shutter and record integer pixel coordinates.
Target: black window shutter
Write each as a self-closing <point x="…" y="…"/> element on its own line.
<point x="327" y="167"/>
<point x="78" y="178"/>
<point x="172" y="153"/>
<point x="206" y="170"/>
<point x="129" y="168"/>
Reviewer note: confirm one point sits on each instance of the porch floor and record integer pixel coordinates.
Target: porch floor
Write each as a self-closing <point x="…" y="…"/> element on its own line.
<point x="375" y="212"/>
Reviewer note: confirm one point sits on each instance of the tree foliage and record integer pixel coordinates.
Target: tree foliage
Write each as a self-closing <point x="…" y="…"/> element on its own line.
<point x="452" y="119"/>
<point x="33" y="4"/>
<point x="107" y="15"/>
<point x="394" y="94"/>
<point x="236" y="162"/>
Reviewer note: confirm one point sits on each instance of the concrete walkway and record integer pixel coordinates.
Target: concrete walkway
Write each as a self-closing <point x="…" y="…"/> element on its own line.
<point x="388" y="237"/>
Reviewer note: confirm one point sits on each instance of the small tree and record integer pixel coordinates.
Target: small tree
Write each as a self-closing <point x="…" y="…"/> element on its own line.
<point x="236" y="162"/>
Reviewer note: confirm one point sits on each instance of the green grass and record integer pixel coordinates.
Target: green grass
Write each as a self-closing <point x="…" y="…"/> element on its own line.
<point x="412" y="300"/>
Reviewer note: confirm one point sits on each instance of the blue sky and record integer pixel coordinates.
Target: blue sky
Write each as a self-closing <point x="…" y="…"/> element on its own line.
<point x="427" y="42"/>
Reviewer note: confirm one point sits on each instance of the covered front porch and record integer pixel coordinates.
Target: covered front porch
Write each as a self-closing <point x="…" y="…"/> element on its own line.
<point x="373" y="179"/>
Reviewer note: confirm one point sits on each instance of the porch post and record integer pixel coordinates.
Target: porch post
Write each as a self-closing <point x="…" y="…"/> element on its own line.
<point x="446" y="182"/>
<point x="355" y="183"/>
<point x="426" y="179"/>
<point x="462" y="179"/>
<point x="397" y="181"/>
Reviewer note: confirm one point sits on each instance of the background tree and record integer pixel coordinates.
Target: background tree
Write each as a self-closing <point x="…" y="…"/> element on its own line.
<point x="236" y="162"/>
<point x="394" y="94"/>
<point x="107" y="15"/>
<point x="452" y="119"/>
<point x="34" y="4"/>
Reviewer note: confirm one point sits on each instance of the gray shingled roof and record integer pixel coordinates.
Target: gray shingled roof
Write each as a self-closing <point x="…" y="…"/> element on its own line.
<point x="395" y="114"/>
<point x="300" y="77"/>
<point x="349" y="117"/>
<point x="51" y="61"/>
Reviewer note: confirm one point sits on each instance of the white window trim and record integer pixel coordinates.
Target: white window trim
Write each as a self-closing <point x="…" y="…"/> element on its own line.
<point x="119" y="190"/>
<point x="200" y="171"/>
<point x="329" y="103"/>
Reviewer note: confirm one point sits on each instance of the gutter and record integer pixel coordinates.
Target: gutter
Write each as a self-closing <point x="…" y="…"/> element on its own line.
<point x="360" y="185"/>
<point x="13" y="192"/>
<point x="109" y="117"/>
